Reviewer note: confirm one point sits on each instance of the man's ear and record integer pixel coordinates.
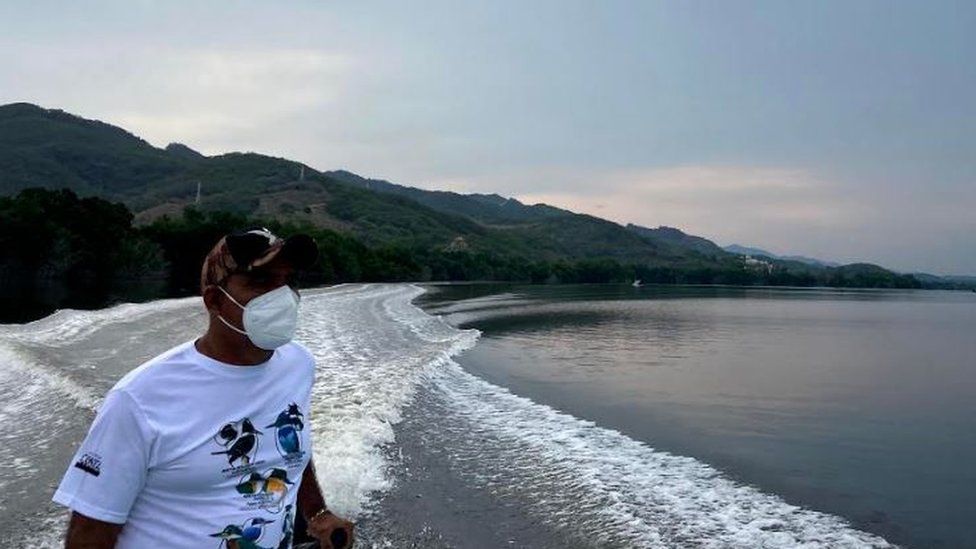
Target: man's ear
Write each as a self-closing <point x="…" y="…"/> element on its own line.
<point x="212" y="298"/>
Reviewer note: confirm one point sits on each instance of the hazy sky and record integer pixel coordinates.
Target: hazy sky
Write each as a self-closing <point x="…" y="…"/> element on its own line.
<point x="843" y="130"/>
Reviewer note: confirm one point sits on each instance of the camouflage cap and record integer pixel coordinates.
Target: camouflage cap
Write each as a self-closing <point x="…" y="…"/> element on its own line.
<point x="243" y="251"/>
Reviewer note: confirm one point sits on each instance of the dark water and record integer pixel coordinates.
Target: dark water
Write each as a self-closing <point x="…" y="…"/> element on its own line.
<point x="857" y="403"/>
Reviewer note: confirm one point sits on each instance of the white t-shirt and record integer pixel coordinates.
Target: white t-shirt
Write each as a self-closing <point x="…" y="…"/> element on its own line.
<point x="187" y="451"/>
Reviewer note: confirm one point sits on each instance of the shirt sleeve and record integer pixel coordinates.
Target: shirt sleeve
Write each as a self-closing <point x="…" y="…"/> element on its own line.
<point x="109" y="469"/>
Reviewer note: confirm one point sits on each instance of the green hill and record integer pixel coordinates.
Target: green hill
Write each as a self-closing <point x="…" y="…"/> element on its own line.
<point x="563" y="232"/>
<point x="490" y="209"/>
<point x="679" y="238"/>
<point x="53" y="149"/>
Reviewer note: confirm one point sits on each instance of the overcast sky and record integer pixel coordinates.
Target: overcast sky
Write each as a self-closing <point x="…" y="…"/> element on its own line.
<point x="842" y="130"/>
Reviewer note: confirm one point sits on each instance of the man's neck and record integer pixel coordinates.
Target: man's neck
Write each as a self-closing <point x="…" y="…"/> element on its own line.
<point x="236" y="352"/>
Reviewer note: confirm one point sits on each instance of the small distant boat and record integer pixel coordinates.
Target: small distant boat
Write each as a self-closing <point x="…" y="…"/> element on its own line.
<point x="636" y="283"/>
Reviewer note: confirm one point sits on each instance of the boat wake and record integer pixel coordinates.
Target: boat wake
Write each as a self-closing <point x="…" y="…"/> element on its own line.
<point x="376" y="352"/>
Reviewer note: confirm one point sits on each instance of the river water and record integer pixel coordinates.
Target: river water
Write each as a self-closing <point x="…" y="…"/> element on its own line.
<point x="573" y="416"/>
<point x="859" y="403"/>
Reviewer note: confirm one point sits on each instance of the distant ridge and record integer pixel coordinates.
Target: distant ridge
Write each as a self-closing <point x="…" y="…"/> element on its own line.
<point x="678" y="238"/>
<point x="181" y="150"/>
<point x="487" y="208"/>
<point x="952" y="282"/>
<point x="53" y="149"/>
<point x="745" y="250"/>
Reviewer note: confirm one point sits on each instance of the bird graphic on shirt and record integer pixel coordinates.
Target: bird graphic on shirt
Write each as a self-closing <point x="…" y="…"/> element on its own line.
<point x="226" y="434"/>
<point x="245" y="443"/>
<point x="231" y="531"/>
<point x="287" y="528"/>
<point x="292" y="416"/>
<point x="277" y="482"/>
<point x="253" y="528"/>
<point x="253" y="485"/>
<point x="294" y="410"/>
<point x="233" y="536"/>
<point x="289" y="441"/>
<point x="287" y="425"/>
<point x="273" y="485"/>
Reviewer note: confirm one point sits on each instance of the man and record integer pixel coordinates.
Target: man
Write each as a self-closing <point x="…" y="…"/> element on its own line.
<point x="209" y="444"/>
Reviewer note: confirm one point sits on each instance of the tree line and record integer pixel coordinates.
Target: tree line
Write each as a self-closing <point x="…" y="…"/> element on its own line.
<point x="90" y="246"/>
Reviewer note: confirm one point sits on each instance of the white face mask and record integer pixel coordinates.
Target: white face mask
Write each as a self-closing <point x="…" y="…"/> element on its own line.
<point x="270" y="319"/>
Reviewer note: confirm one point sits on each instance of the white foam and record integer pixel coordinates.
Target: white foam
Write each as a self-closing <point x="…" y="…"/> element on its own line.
<point x="46" y="532"/>
<point x="23" y="381"/>
<point x="38" y="406"/>
<point x="67" y="326"/>
<point x="610" y="489"/>
<point x="372" y="347"/>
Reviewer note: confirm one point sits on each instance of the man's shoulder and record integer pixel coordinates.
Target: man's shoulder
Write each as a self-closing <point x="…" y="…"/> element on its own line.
<point x="149" y="372"/>
<point x="294" y="352"/>
<point x="301" y="350"/>
<point x="177" y="368"/>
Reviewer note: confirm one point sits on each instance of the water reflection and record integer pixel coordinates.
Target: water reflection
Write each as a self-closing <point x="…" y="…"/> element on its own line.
<point x="857" y="402"/>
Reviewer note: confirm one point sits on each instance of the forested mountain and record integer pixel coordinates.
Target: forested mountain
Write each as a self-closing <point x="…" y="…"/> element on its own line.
<point x="53" y="149"/>
<point x="679" y="238"/>
<point x="490" y="209"/>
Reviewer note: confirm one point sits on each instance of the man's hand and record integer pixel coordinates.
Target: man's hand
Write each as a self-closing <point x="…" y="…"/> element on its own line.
<point x="332" y="532"/>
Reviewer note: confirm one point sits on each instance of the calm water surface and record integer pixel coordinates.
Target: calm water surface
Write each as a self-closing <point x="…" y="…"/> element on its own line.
<point x="857" y="403"/>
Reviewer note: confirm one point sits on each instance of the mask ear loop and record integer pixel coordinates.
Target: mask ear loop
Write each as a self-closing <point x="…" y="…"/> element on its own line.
<point x="231" y="326"/>
<point x="221" y="288"/>
<point x="224" y="320"/>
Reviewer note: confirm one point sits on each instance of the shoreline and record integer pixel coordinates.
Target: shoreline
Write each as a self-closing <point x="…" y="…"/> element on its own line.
<point x="41" y="308"/>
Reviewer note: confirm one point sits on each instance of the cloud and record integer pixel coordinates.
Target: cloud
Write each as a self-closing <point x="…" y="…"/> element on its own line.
<point x="214" y="99"/>
<point x="626" y="111"/>
<point x="711" y="199"/>
<point x="783" y="208"/>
